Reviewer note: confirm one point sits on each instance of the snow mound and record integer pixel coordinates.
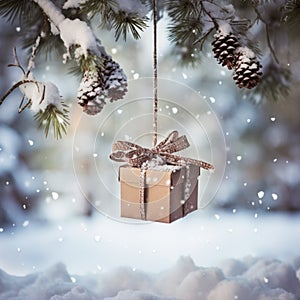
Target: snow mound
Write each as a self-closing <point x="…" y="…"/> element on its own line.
<point x="250" y="278"/>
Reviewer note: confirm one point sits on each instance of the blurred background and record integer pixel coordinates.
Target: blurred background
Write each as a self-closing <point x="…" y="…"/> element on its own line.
<point x="255" y="146"/>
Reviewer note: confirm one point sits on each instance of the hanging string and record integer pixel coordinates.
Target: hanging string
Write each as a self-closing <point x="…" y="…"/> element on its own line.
<point x="155" y="94"/>
<point x="142" y="193"/>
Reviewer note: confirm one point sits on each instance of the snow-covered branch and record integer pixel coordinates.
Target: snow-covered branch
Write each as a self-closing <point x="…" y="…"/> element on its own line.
<point x="42" y="97"/>
<point x="72" y="32"/>
<point x="52" y="12"/>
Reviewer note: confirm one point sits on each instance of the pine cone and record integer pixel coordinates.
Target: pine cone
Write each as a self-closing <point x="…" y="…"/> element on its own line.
<point x="247" y="69"/>
<point x="106" y="82"/>
<point x="90" y="93"/>
<point x="115" y="80"/>
<point x="224" y="47"/>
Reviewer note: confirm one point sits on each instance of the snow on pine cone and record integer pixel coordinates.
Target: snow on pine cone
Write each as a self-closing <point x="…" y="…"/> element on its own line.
<point x="106" y="83"/>
<point x="247" y="69"/>
<point x="90" y="93"/>
<point x="115" y="80"/>
<point x="224" y="47"/>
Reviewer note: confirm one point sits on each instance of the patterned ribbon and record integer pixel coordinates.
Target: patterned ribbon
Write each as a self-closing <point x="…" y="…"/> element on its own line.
<point x="135" y="155"/>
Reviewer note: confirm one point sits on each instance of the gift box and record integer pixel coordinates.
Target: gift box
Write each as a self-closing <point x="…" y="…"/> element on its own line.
<point x="156" y="184"/>
<point x="162" y="194"/>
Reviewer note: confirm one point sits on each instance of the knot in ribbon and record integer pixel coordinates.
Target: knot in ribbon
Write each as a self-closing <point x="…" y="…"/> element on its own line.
<point x="135" y="155"/>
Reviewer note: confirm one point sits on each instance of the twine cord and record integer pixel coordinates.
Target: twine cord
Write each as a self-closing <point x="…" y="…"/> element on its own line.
<point x="155" y="93"/>
<point x="142" y="185"/>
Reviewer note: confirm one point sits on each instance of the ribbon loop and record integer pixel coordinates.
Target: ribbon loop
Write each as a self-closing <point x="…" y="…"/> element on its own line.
<point x="135" y="155"/>
<point x="173" y="143"/>
<point x="169" y="139"/>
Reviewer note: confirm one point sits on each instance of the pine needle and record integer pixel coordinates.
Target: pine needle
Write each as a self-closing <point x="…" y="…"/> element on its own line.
<point x="13" y="9"/>
<point x="275" y="84"/>
<point x="124" y="22"/>
<point x="59" y="119"/>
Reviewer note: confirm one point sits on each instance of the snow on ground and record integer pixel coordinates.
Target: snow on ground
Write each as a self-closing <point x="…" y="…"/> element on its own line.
<point x="250" y="278"/>
<point x="203" y="256"/>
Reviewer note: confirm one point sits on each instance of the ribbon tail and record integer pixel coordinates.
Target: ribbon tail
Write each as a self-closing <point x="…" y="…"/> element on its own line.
<point x="117" y="156"/>
<point x="181" y="161"/>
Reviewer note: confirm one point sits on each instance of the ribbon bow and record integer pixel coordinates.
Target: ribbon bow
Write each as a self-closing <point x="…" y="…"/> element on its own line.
<point x="135" y="155"/>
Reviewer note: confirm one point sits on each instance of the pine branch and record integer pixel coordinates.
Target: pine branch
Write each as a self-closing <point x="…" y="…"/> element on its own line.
<point x="187" y="57"/>
<point x="49" y="43"/>
<point x="12" y="9"/>
<point x="40" y="22"/>
<point x="22" y="108"/>
<point x="16" y="85"/>
<point x="204" y="37"/>
<point x="111" y="16"/>
<point x="31" y="19"/>
<point x="33" y="55"/>
<point x="183" y="9"/>
<point x="241" y="26"/>
<point x="51" y="11"/>
<point x="270" y="44"/>
<point x="72" y="40"/>
<point x="291" y="12"/>
<point x="185" y="30"/>
<point x="275" y="84"/>
<point x="44" y="94"/>
<point x="55" y="118"/>
<point x="17" y="63"/>
<point x="209" y="14"/>
<point x="192" y="23"/>
<point x="267" y="26"/>
<point x="124" y="22"/>
<point x="90" y="62"/>
<point x="187" y="44"/>
<point x="105" y="8"/>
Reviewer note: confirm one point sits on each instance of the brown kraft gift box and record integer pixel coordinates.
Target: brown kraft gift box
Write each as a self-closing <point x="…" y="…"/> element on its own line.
<point x="171" y="192"/>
